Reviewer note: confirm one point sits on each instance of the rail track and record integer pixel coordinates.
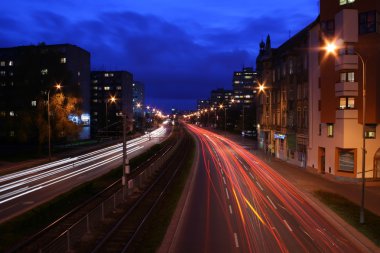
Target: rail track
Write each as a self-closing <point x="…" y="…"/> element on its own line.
<point x="122" y="236"/>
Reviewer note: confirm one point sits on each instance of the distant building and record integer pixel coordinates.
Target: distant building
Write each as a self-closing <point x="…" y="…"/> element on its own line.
<point x="244" y="95"/>
<point x="221" y="97"/>
<point x="111" y="96"/>
<point x="26" y="75"/>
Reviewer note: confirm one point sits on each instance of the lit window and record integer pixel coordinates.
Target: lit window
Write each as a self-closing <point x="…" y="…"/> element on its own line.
<point x="106" y="88"/>
<point x="95" y="100"/>
<point x="118" y="87"/>
<point x="351" y="103"/>
<point x="12" y="133"/>
<point x="10" y="63"/>
<point x="105" y="74"/>
<point x="3" y="114"/>
<point x="111" y="74"/>
<point x="95" y="88"/>
<point x="95" y="113"/>
<point x="343" y="2"/>
<point x="12" y="113"/>
<point x="330" y="130"/>
<point x="78" y="73"/>
<point x="342" y="103"/>
<point x="351" y="76"/>
<point x="44" y="72"/>
<point x="34" y="103"/>
<point x="2" y="64"/>
<point x="63" y="60"/>
<point x="2" y="73"/>
<point x="370" y="131"/>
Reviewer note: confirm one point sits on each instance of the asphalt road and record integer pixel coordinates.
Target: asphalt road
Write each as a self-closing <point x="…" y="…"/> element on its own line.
<point x="23" y="190"/>
<point x="236" y="203"/>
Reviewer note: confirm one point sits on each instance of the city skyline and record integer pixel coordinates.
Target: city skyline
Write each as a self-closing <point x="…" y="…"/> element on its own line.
<point x="179" y="58"/>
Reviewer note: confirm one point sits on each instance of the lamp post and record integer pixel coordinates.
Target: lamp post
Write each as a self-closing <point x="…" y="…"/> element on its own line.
<point x="111" y="99"/>
<point x="262" y="88"/>
<point x="125" y="156"/>
<point x="331" y="48"/>
<point x="58" y="87"/>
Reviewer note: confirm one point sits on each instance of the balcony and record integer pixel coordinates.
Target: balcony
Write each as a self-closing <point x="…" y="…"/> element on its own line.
<point x="346" y="89"/>
<point x="346" y="114"/>
<point x="346" y="62"/>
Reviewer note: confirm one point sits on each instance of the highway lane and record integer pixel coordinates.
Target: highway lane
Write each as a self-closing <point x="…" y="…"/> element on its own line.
<point x="239" y="204"/>
<point x="25" y="189"/>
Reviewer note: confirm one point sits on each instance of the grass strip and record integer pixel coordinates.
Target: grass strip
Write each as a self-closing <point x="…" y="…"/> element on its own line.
<point x="29" y="223"/>
<point x="350" y="212"/>
<point x="155" y="231"/>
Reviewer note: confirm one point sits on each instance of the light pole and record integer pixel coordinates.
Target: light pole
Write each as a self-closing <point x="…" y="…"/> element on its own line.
<point x="111" y="99"/>
<point x="58" y="87"/>
<point x="262" y="88"/>
<point x="331" y="48"/>
<point x="125" y="156"/>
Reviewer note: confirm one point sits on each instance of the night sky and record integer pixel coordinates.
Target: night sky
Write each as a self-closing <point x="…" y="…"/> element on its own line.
<point x="180" y="49"/>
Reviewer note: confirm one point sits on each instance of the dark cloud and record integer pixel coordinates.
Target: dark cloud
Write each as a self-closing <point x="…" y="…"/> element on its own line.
<point x="179" y="62"/>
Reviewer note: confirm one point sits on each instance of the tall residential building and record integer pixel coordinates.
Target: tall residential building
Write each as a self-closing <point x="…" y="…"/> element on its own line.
<point x="111" y="96"/>
<point x="337" y="93"/>
<point x="245" y="90"/>
<point x="27" y="73"/>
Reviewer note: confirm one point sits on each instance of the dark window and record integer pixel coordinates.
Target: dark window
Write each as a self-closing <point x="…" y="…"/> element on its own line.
<point x="367" y="22"/>
<point x="346" y="160"/>
<point x="328" y="27"/>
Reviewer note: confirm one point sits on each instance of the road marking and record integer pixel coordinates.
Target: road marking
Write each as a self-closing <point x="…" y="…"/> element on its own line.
<point x="221" y="171"/>
<point x="245" y="167"/>
<point x="275" y="207"/>
<point x="290" y="229"/>
<point x="224" y="181"/>
<point x="307" y="234"/>
<point x="261" y="188"/>
<point x="236" y="240"/>
<point x="228" y="195"/>
<point x="250" y="173"/>
<point x="230" y="209"/>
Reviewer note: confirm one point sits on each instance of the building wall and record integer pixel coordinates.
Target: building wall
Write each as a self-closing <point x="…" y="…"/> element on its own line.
<point x="326" y="92"/>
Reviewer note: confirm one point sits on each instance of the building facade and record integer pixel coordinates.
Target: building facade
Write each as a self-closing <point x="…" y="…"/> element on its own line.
<point x="338" y="93"/>
<point x="28" y="73"/>
<point x="111" y="97"/>
<point x="283" y="103"/>
<point x="138" y="104"/>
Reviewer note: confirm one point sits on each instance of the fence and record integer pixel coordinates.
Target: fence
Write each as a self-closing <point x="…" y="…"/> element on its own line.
<point x="93" y="220"/>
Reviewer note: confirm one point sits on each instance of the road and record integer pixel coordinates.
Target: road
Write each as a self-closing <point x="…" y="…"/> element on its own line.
<point x="236" y="203"/>
<point x="23" y="190"/>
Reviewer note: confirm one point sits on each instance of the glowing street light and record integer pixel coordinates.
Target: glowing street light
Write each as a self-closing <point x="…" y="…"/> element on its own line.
<point x="331" y="48"/>
<point x="111" y="99"/>
<point x="57" y="86"/>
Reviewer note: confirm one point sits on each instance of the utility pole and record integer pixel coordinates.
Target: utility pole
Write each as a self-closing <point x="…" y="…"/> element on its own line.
<point x="126" y="169"/>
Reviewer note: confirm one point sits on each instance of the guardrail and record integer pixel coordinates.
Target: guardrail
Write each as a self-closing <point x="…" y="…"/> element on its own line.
<point x="66" y="241"/>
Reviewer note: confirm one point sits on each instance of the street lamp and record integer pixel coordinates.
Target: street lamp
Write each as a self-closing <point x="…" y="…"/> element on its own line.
<point x="112" y="99"/>
<point x="262" y="89"/>
<point x="58" y="87"/>
<point x="331" y="48"/>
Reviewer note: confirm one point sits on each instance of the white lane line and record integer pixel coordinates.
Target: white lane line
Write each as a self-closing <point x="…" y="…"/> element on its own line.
<point x="228" y="195"/>
<point x="250" y="173"/>
<point x="290" y="229"/>
<point x="261" y="188"/>
<point x="245" y="167"/>
<point x="230" y="209"/>
<point x="236" y="240"/>
<point x="307" y="234"/>
<point x="221" y="171"/>
<point x="224" y="181"/>
<point x="275" y="207"/>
